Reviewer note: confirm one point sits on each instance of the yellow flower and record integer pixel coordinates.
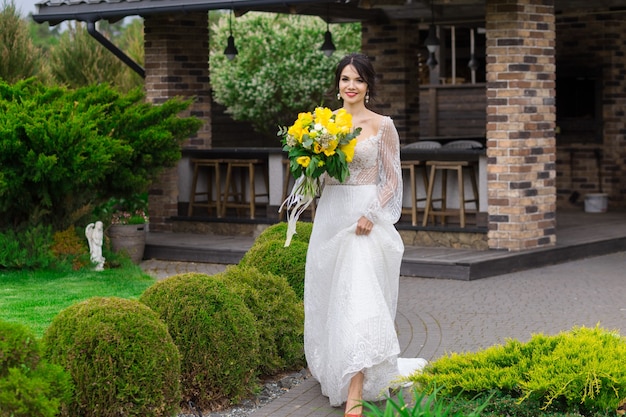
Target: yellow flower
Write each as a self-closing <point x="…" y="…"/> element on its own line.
<point x="323" y="115"/>
<point x="333" y="128"/>
<point x="343" y="119"/>
<point x="317" y="147"/>
<point x="296" y="130"/>
<point x="305" y="118"/>
<point x="332" y="145"/>
<point x="348" y="149"/>
<point x="301" y="126"/>
<point x="304" y="161"/>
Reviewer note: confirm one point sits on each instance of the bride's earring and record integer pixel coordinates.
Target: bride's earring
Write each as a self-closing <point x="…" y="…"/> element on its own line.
<point x="338" y="96"/>
<point x="367" y="97"/>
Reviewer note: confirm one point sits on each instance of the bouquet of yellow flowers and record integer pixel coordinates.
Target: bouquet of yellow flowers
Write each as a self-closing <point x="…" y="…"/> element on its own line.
<point x="317" y="142"/>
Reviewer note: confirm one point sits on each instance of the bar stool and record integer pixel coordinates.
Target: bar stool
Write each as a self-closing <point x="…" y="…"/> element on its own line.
<point x="460" y="167"/>
<point x="212" y="167"/>
<point x="412" y="166"/>
<point x="239" y="195"/>
<point x="288" y="182"/>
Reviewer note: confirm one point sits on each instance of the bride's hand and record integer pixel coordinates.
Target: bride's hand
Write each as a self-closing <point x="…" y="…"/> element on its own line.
<point x="364" y="226"/>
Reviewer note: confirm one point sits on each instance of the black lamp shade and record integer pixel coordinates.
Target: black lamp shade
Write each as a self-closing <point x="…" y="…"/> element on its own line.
<point x="231" y="49"/>
<point x="432" y="42"/>
<point x="328" y="47"/>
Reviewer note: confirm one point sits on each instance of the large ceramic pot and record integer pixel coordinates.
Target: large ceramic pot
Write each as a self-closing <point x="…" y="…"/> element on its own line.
<point x="129" y="238"/>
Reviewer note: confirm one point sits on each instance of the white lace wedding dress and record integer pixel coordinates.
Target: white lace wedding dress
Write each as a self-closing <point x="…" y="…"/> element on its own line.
<point x="351" y="282"/>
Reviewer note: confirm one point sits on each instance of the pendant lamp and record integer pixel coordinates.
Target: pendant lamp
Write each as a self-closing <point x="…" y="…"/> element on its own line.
<point x="432" y="42"/>
<point x="328" y="47"/>
<point x="231" y="50"/>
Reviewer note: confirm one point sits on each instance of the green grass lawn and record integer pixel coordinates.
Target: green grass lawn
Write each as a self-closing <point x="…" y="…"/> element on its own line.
<point x="34" y="298"/>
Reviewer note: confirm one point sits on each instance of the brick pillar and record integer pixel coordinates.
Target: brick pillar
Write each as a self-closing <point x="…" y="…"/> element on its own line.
<point x="177" y="65"/>
<point x="393" y="49"/>
<point x="521" y="146"/>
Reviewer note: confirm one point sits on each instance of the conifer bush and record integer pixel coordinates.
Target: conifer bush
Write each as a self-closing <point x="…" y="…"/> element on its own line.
<point x="579" y="371"/>
<point x="30" y="386"/>
<point x="27" y="247"/>
<point x="279" y="316"/>
<point x="216" y="334"/>
<point x="65" y="149"/>
<point x="120" y="356"/>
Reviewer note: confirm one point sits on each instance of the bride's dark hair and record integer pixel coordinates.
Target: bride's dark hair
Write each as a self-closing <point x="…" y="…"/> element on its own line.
<point x="363" y="66"/>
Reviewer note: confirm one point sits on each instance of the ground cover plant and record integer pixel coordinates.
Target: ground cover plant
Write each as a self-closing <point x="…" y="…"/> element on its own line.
<point x="421" y="405"/>
<point x="574" y="373"/>
<point x="33" y="298"/>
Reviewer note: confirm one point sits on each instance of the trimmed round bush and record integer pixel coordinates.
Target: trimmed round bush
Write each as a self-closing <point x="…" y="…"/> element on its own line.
<point x="18" y="347"/>
<point x="271" y="257"/>
<point x="29" y="385"/>
<point x="279" y="315"/>
<point x="121" y="358"/>
<point x="216" y="334"/>
<point x="278" y="231"/>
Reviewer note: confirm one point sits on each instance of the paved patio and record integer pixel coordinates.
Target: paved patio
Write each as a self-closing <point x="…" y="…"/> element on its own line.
<point x="438" y="316"/>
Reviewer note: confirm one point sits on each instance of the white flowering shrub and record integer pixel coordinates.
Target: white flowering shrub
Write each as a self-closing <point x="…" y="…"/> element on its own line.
<point x="280" y="70"/>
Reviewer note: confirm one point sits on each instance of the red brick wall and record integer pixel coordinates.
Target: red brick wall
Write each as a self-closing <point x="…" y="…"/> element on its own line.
<point x="176" y="63"/>
<point x="392" y="48"/>
<point x="593" y="44"/>
<point x="520" y="123"/>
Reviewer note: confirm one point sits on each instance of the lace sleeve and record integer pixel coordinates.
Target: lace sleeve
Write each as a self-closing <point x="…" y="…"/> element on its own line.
<point x="388" y="206"/>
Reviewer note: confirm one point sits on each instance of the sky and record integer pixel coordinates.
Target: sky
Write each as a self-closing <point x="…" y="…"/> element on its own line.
<point x="26" y="6"/>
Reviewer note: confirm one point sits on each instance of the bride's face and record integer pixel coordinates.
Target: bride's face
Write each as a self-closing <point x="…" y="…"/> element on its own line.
<point x="351" y="86"/>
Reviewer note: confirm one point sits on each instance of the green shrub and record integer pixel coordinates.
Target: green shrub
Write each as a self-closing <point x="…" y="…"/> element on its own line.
<point x="65" y="149"/>
<point x="120" y="356"/>
<point x="18" y="347"/>
<point x="70" y="248"/>
<point x="580" y="371"/>
<point x="29" y="385"/>
<point x="278" y="231"/>
<point x="215" y="333"/>
<point x="279" y="315"/>
<point x="27" y="247"/>
<point x="269" y="255"/>
<point x="501" y="404"/>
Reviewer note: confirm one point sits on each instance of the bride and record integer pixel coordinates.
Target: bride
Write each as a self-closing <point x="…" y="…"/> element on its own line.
<point x="354" y="256"/>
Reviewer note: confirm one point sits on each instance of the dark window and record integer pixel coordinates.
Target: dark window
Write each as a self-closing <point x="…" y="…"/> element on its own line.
<point x="578" y="115"/>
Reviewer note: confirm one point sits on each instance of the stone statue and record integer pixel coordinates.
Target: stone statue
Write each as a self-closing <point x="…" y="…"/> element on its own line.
<point x="95" y="235"/>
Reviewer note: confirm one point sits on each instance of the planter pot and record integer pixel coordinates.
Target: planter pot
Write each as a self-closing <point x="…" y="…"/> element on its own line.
<point x="129" y="238"/>
<point x="596" y="203"/>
